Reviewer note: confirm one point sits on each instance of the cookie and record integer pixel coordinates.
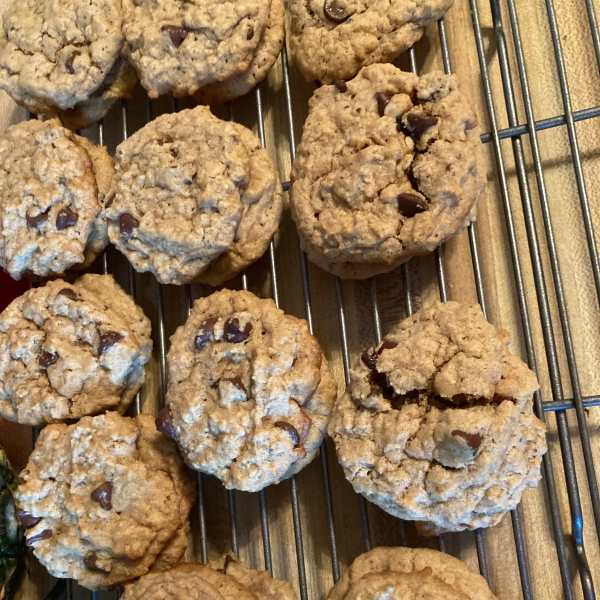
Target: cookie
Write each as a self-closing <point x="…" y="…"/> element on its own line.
<point x="334" y="39"/>
<point x="178" y="47"/>
<point x="70" y="350"/>
<point x="388" y="168"/>
<point x="49" y="199"/>
<point x="55" y="54"/>
<point x="407" y="574"/>
<point x="193" y="198"/>
<point x="249" y="391"/>
<point x="102" y="498"/>
<point x="265" y="57"/>
<point x="437" y="423"/>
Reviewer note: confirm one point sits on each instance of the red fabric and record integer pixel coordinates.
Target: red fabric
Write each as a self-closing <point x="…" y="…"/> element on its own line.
<point x="10" y="289"/>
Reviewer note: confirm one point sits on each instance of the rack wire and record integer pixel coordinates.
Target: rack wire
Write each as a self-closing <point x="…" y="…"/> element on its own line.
<point x="544" y="286"/>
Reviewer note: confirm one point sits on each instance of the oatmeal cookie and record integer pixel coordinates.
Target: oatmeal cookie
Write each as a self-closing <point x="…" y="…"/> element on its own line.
<point x="437" y="423"/>
<point x="69" y="350"/>
<point x="249" y="391"/>
<point x="388" y="168"/>
<point x="193" y="198"/>
<point x="102" y="498"/>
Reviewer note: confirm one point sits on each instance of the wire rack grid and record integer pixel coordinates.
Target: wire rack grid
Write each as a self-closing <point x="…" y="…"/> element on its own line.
<point x="568" y="539"/>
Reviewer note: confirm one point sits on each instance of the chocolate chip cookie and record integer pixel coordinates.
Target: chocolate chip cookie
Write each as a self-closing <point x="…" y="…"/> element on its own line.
<point x="179" y="46"/>
<point x="407" y="574"/>
<point x="334" y="39"/>
<point x="69" y="350"/>
<point x="388" y="168"/>
<point x="265" y="56"/>
<point x="249" y="391"/>
<point x="437" y="423"/>
<point x="52" y="185"/>
<point x="193" y="198"/>
<point x="56" y="54"/>
<point x="102" y="499"/>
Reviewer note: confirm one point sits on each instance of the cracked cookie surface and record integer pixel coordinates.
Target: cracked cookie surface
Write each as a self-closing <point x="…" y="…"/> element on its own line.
<point x="69" y="350"/>
<point x="249" y="392"/>
<point x="437" y="424"/>
<point x="103" y="499"/>
<point x="388" y="168"/>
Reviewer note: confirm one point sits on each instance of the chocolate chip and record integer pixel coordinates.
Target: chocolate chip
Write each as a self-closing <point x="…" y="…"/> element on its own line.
<point x="341" y="85"/>
<point x="369" y="358"/>
<point x="108" y="339"/>
<point x="70" y="294"/>
<point x="204" y="332"/>
<point x="232" y="330"/>
<point x="381" y="381"/>
<point x="111" y="199"/>
<point x="177" y="34"/>
<point x="334" y="12"/>
<point x="382" y="102"/>
<point x="237" y="382"/>
<point x="65" y="218"/>
<point x="473" y="439"/>
<point x="28" y="520"/>
<point x="163" y="140"/>
<point x="69" y="61"/>
<point x="291" y="430"/>
<point x="250" y="33"/>
<point x="46" y="359"/>
<point x="127" y="223"/>
<point x="47" y="533"/>
<point x="91" y="562"/>
<point x="164" y="424"/>
<point x="228" y="561"/>
<point x="386" y="345"/>
<point x="420" y="123"/>
<point x="36" y="220"/>
<point x="411" y="204"/>
<point x="103" y="495"/>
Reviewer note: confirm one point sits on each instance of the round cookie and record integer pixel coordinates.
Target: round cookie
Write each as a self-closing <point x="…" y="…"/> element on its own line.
<point x="388" y="168"/>
<point x="57" y="53"/>
<point x="249" y="392"/>
<point x="265" y="57"/>
<point x="102" y="498"/>
<point x="193" y="198"/>
<point x="407" y="574"/>
<point x="179" y="46"/>
<point x="437" y="423"/>
<point x="69" y="350"/>
<point x="334" y="39"/>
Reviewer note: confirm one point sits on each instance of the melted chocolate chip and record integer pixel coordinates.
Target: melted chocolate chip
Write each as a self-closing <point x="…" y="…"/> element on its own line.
<point x="70" y="294"/>
<point x="334" y="12"/>
<point x="369" y="358"/>
<point x="28" y="520"/>
<point x="103" y="495"/>
<point x="127" y="223"/>
<point x="228" y="561"/>
<point x="65" y="218"/>
<point x="204" y="332"/>
<point x="164" y="140"/>
<point x="380" y="380"/>
<point x="91" y="562"/>
<point x="341" y="85"/>
<point x="38" y="219"/>
<point x="177" y="34"/>
<point x="382" y="102"/>
<point x="250" y="33"/>
<point x="291" y="430"/>
<point x="473" y="439"/>
<point x="411" y="204"/>
<point x="420" y="123"/>
<point x="47" y="533"/>
<point x="69" y="61"/>
<point x="46" y="359"/>
<point x="108" y="339"/>
<point x="164" y="424"/>
<point x="110" y="200"/>
<point x="386" y="345"/>
<point x="232" y="330"/>
<point x="237" y="382"/>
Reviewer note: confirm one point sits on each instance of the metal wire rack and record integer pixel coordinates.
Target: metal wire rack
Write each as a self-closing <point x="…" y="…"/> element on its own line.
<point x="566" y="539"/>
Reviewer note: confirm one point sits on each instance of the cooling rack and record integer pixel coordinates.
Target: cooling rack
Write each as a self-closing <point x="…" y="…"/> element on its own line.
<point x="310" y="528"/>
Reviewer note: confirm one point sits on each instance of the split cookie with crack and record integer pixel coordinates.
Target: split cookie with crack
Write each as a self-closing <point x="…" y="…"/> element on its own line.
<point x="249" y="392"/>
<point x="224" y="579"/>
<point x="193" y="198"/>
<point x="388" y="168"/>
<point x="334" y="39"/>
<point x="409" y="574"/>
<point x="437" y="424"/>
<point x="69" y="350"/>
<point x="52" y="187"/>
<point x="104" y="500"/>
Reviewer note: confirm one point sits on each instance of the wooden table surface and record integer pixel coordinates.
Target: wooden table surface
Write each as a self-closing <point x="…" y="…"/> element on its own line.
<point x="500" y="294"/>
